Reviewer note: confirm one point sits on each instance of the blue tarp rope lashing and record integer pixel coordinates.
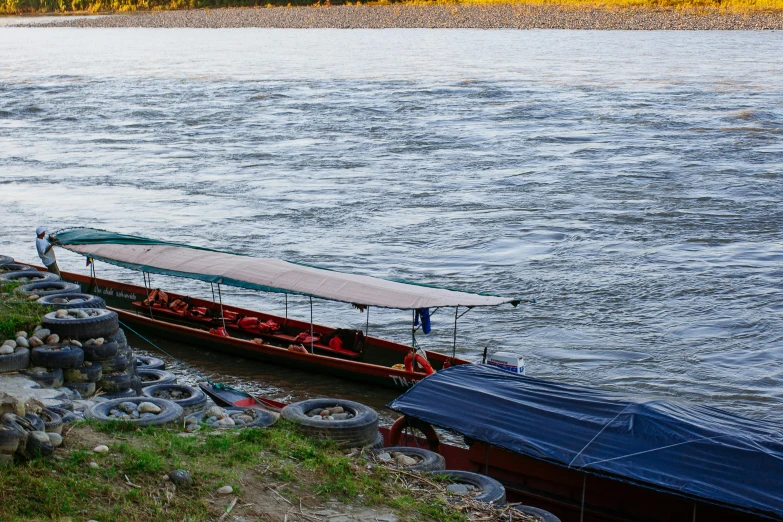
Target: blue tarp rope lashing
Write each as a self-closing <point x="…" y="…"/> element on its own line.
<point x="597" y="435"/>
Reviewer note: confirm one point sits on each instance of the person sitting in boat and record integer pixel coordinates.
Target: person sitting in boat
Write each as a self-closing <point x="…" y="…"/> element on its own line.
<point x="45" y="247"/>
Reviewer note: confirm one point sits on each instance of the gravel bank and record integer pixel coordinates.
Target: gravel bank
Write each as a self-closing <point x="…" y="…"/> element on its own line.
<point x="509" y="16"/>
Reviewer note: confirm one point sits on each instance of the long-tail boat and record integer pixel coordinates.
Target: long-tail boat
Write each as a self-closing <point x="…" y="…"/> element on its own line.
<point x="589" y="455"/>
<point x="283" y="340"/>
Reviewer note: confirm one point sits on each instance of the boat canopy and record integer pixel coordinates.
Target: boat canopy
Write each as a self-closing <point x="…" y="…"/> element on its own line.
<point x="268" y="275"/>
<point x="693" y="451"/>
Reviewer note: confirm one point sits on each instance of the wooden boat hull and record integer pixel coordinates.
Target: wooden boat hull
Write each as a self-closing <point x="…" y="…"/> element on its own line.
<point x="375" y="368"/>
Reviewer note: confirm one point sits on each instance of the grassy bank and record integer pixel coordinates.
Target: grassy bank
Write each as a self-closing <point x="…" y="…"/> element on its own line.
<point x="16" y="313"/>
<point x="273" y="472"/>
<point x="104" y="6"/>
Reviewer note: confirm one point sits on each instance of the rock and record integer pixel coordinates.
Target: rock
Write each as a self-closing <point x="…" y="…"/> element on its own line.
<point x="148" y="407"/>
<point x="226" y="423"/>
<point x="22" y="341"/>
<point x="53" y="339"/>
<point x="325" y="413"/>
<point x="247" y="419"/>
<point x="94" y="465"/>
<point x="217" y="412"/>
<point x="384" y="457"/>
<point x="457" y="489"/>
<point x="6" y="349"/>
<point x="148" y="415"/>
<point x="340" y="416"/>
<point x="33" y="297"/>
<point x="35" y="342"/>
<point x="75" y="343"/>
<point x="336" y="409"/>
<point x="165" y="478"/>
<point x="314" y="412"/>
<point x="37" y="327"/>
<point x="55" y="439"/>
<point x="81" y="314"/>
<point x="127" y="407"/>
<point x="21" y="333"/>
<point x="99" y="341"/>
<point x="101" y="449"/>
<point x="405" y="460"/>
<point x="61" y="313"/>
<point x="181" y="478"/>
<point x="225" y="490"/>
<point x="42" y="333"/>
<point x="10" y="342"/>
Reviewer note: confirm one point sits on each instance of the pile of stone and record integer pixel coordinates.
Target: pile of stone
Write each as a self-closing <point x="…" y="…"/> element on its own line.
<point x="217" y="417"/>
<point x="332" y="414"/>
<point x="394" y="458"/>
<point x="130" y="410"/>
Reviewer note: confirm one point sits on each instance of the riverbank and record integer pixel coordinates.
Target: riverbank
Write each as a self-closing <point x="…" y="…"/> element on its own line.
<point x="446" y="16"/>
<point x="257" y="474"/>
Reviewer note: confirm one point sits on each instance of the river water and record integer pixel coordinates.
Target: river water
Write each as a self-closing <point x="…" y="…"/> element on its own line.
<point x="630" y="181"/>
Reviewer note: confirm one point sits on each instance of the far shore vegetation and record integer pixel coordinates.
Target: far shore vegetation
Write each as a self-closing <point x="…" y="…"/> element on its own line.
<point x="31" y="7"/>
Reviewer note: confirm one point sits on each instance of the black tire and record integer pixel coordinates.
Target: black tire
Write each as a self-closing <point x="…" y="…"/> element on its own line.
<point x="66" y="416"/>
<point x="114" y="382"/>
<point x="492" y="491"/>
<point x="150" y="363"/>
<point x="21" y="425"/>
<point x="16" y="361"/>
<point x="15" y="267"/>
<point x="30" y="276"/>
<point x="130" y="392"/>
<point x="46" y="379"/>
<point x="57" y="356"/>
<point x="103" y="324"/>
<point x="53" y="423"/>
<point x="170" y="413"/>
<point x="539" y="514"/>
<point x="118" y="337"/>
<point x="70" y="301"/>
<point x="152" y="377"/>
<point x="9" y="439"/>
<point x="378" y="444"/>
<point x="38" y="445"/>
<point x="193" y="399"/>
<point x="84" y="389"/>
<point x="428" y="460"/>
<point x="120" y="363"/>
<point x="357" y="432"/>
<point x="49" y="288"/>
<point x="99" y="353"/>
<point x="87" y="372"/>
<point x="35" y="421"/>
<point x="6" y="260"/>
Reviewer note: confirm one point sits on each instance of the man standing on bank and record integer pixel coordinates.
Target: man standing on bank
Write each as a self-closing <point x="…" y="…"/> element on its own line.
<point x="45" y="247"/>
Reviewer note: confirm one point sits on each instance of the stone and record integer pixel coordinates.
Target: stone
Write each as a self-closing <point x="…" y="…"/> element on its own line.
<point x="61" y="313"/>
<point x="37" y="327"/>
<point x="75" y="343"/>
<point x="148" y="415"/>
<point x="33" y="297"/>
<point x="21" y="333"/>
<point x="22" y="341"/>
<point x="181" y="478"/>
<point x="6" y="349"/>
<point x="340" y="416"/>
<point x="405" y="460"/>
<point x="225" y="490"/>
<point x="53" y="339"/>
<point x="127" y="407"/>
<point x="384" y="457"/>
<point x="226" y="423"/>
<point x="55" y="439"/>
<point x="42" y="334"/>
<point x="457" y="489"/>
<point x="10" y="342"/>
<point x="314" y="412"/>
<point x="247" y="419"/>
<point x="94" y="465"/>
<point x="325" y="413"/>
<point x="217" y="412"/>
<point x="148" y="407"/>
<point x="99" y="341"/>
<point x="81" y="314"/>
<point x="101" y="449"/>
<point x="35" y="342"/>
<point x="336" y="409"/>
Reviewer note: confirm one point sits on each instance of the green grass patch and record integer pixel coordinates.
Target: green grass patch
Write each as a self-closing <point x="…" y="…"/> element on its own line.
<point x="248" y="460"/>
<point x="16" y="313"/>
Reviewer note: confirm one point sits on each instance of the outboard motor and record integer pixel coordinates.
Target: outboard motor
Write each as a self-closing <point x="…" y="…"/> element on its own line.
<point x="511" y="362"/>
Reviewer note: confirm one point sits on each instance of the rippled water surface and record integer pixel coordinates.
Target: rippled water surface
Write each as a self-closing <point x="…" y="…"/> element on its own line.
<point x="631" y="182"/>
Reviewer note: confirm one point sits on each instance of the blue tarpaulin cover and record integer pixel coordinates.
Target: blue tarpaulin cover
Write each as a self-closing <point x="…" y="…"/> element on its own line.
<point x="689" y="450"/>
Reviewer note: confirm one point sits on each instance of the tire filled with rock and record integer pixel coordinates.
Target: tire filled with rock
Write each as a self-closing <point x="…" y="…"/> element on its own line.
<point x="140" y="411"/>
<point x="189" y="398"/>
<point x="348" y="423"/>
<point x="227" y="418"/>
